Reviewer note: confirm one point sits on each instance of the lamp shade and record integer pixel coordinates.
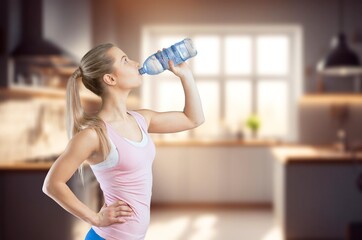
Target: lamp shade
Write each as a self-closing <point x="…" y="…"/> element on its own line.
<point x="341" y="61"/>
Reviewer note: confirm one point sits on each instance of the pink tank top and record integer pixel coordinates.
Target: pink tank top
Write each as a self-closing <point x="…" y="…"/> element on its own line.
<point x="128" y="179"/>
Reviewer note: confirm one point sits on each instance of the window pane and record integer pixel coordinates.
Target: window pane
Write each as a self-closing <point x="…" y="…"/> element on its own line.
<point x="238" y="58"/>
<point x="171" y="98"/>
<point x="167" y="41"/>
<point x="238" y="103"/>
<point x="273" y="108"/>
<point x="272" y="55"/>
<point x="207" y="60"/>
<point x="209" y="94"/>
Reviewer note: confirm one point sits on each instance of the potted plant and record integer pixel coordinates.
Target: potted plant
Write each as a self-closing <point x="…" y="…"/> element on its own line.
<point x="253" y="123"/>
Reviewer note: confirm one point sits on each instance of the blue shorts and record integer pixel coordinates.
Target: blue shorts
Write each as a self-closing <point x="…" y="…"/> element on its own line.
<point x="92" y="235"/>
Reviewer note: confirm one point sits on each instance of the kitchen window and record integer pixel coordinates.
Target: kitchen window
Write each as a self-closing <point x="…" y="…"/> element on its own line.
<point x="239" y="70"/>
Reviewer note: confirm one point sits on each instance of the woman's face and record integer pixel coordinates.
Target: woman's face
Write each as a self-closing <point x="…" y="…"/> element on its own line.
<point x="125" y="70"/>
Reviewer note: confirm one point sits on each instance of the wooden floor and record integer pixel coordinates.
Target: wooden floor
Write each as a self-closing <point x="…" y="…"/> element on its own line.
<point x="207" y="224"/>
<point x="211" y="224"/>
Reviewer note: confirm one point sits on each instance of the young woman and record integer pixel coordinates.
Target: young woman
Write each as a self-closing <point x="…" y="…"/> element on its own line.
<point x="116" y="143"/>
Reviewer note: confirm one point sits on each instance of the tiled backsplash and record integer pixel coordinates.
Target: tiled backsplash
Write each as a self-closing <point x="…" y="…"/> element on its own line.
<point x="32" y="128"/>
<point x="318" y="124"/>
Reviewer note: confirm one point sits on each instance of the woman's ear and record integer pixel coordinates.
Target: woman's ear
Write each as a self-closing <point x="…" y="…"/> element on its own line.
<point x="109" y="79"/>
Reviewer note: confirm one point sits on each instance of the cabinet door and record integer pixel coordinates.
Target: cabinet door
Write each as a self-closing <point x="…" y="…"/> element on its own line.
<point x="27" y="212"/>
<point x="269" y="175"/>
<point x="168" y="175"/>
<point x="204" y="174"/>
<point x="247" y="178"/>
<point x="217" y="174"/>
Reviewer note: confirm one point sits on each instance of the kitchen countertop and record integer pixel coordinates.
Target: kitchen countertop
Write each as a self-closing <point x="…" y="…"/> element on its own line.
<point x="44" y="163"/>
<point x="311" y="154"/>
<point x="36" y="164"/>
<point x="285" y="153"/>
<point x="25" y="166"/>
<point x="219" y="143"/>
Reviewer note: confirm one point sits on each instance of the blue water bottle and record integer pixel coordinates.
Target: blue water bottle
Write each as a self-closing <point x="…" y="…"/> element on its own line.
<point x="178" y="53"/>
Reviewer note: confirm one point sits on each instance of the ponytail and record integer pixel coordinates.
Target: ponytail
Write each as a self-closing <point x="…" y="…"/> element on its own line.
<point x="94" y="64"/>
<point x="74" y="108"/>
<point x="77" y="119"/>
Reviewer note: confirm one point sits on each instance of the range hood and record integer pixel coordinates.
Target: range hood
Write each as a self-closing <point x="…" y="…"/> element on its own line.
<point x="32" y="42"/>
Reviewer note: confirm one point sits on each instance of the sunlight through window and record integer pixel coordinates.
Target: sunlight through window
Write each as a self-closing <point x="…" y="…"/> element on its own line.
<point x="171" y="98"/>
<point x="238" y="71"/>
<point x="204" y="228"/>
<point x="238" y="55"/>
<point x="207" y="61"/>
<point x="272" y="107"/>
<point x="238" y="103"/>
<point x="209" y="93"/>
<point x="171" y="230"/>
<point x="273" y="234"/>
<point x="272" y="55"/>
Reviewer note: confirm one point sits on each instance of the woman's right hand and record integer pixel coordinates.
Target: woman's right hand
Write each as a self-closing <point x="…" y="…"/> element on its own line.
<point x="114" y="213"/>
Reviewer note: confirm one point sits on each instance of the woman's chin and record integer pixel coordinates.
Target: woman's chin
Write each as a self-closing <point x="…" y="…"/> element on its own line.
<point x="140" y="80"/>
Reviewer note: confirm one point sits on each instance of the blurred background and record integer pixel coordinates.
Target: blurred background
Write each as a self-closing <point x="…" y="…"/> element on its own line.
<point x="279" y="155"/>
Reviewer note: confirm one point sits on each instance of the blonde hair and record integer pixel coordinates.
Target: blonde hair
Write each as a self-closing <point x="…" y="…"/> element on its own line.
<point x="93" y="66"/>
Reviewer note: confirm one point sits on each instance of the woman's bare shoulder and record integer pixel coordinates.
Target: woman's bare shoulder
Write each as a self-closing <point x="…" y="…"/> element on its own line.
<point x="86" y="141"/>
<point x="86" y="133"/>
<point x="80" y="147"/>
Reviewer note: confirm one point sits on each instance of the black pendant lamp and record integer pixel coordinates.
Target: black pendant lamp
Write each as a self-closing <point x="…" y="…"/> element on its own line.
<point x="341" y="60"/>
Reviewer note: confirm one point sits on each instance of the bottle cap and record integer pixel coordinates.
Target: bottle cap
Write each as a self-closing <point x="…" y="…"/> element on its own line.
<point x="142" y="70"/>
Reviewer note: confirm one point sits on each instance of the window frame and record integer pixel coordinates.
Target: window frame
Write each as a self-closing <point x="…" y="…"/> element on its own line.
<point x="294" y="32"/>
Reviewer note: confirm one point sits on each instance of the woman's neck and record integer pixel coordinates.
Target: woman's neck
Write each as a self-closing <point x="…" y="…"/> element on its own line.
<point x="114" y="107"/>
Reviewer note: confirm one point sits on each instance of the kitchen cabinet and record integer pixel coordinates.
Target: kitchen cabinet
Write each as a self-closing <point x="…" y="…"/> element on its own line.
<point x="169" y="171"/>
<point x="27" y="213"/>
<point x="203" y="177"/>
<point x="250" y="174"/>
<point x="218" y="174"/>
<point x="34" y="48"/>
<point x="316" y="195"/>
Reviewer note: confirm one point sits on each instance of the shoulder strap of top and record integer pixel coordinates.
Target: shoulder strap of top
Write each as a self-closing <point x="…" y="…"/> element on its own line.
<point x="140" y="119"/>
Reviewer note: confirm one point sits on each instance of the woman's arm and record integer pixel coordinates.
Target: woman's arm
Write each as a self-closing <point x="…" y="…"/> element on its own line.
<point x="79" y="148"/>
<point x="192" y="115"/>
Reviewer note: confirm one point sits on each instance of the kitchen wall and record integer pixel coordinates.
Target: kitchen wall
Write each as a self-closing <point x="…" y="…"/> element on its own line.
<point x="31" y="128"/>
<point x="319" y="120"/>
<point x="77" y="26"/>
<point x="319" y="20"/>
